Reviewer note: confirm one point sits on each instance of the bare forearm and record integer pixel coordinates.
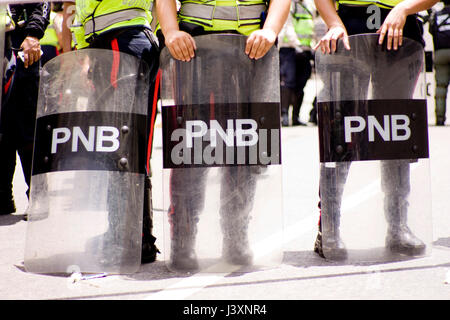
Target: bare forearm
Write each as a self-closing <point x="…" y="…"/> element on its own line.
<point x="277" y="15"/>
<point x="180" y="44"/>
<point x="260" y="41"/>
<point x="392" y="28"/>
<point x="415" y="6"/>
<point x="327" y="11"/>
<point x="166" y="11"/>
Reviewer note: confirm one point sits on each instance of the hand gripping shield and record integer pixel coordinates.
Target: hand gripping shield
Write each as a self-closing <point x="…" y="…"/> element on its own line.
<point x="87" y="182"/>
<point x="221" y="157"/>
<point x="374" y="172"/>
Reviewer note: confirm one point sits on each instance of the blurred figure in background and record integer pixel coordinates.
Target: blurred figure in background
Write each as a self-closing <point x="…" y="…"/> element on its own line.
<point x="295" y="42"/>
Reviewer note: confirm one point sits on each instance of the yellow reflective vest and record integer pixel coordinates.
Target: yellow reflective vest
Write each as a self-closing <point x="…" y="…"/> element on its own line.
<point x="96" y="17"/>
<point x="387" y="4"/>
<point x="303" y="22"/>
<point x="242" y="16"/>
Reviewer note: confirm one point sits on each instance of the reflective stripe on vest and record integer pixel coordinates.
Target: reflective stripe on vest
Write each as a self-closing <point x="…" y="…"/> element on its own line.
<point x="231" y="13"/>
<point x="302" y="20"/>
<point x="387" y="4"/>
<point x="99" y="23"/>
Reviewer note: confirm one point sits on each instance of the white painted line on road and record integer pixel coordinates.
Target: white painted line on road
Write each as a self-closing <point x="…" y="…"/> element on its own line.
<point x="187" y="287"/>
<point x="364" y="194"/>
<point x="197" y="282"/>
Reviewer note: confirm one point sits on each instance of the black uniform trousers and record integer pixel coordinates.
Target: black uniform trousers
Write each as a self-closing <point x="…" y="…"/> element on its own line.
<point x="18" y="123"/>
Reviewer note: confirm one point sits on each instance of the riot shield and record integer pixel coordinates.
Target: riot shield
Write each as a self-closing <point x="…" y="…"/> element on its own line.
<point x="221" y="158"/>
<point x="87" y="183"/>
<point x="374" y="175"/>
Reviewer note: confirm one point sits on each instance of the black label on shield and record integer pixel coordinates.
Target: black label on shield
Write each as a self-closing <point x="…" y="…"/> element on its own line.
<point x="373" y="130"/>
<point x="110" y="141"/>
<point x="227" y="134"/>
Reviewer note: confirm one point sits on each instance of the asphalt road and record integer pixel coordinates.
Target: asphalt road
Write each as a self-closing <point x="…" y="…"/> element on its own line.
<point x="300" y="275"/>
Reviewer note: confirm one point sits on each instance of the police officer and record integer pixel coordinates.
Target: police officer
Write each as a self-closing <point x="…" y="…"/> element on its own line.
<point x="288" y="43"/>
<point x="123" y="26"/>
<point x="178" y="31"/>
<point x="19" y="113"/>
<point x="295" y="59"/>
<point x="304" y="27"/>
<point x="440" y="30"/>
<point x="397" y="21"/>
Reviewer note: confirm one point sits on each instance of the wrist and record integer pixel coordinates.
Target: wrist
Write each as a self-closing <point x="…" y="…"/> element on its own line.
<point x="168" y="32"/>
<point x="270" y="31"/>
<point x="336" y="25"/>
<point x="402" y="8"/>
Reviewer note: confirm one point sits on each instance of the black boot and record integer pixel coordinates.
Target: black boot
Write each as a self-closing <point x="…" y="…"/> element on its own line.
<point x="296" y="105"/>
<point x="399" y="237"/>
<point x="7" y="205"/>
<point x="7" y="165"/>
<point x="237" y="196"/>
<point x="236" y="248"/>
<point x="149" y="249"/>
<point x="334" y="250"/>
<point x="313" y="113"/>
<point x="285" y="102"/>
<point x="395" y="176"/>
<point x="284" y="118"/>
<point x="440" y="103"/>
<point x="318" y="243"/>
<point x="184" y="231"/>
<point x="328" y="242"/>
<point x="332" y="246"/>
<point x="187" y="202"/>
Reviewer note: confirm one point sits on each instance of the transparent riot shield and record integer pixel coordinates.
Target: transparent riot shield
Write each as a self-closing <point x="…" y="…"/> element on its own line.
<point x="221" y="158"/>
<point x="87" y="184"/>
<point x="374" y="172"/>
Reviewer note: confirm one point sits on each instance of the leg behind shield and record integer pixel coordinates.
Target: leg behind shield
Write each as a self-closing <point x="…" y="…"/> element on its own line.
<point x="442" y="76"/>
<point x="303" y="73"/>
<point x="118" y="245"/>
<point x="332" y="181"/>
<point x="395" y="174"/>
<point x="396" y="186"/>
<point x="344" y="82"/>
<point x="238" y="188"/>
<point x="296" y="105"/>
<point x="187" y="201"/>
<point x="8" y="164"/>
<point x="286" y="94"/>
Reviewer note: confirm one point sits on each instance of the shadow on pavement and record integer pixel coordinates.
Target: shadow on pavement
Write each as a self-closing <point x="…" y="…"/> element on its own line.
<point x="443" y="242"/>
<point x="10" y="219"/>
<point x="156" y="271"/>
<point x="359" y="258"/>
